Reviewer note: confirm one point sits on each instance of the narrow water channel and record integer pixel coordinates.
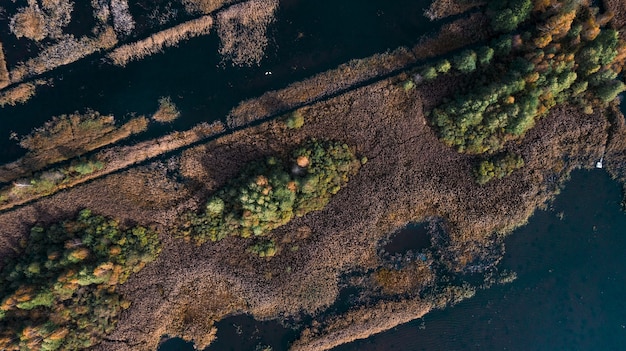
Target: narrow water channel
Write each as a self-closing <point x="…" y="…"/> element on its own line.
<point x="308" y="37"/>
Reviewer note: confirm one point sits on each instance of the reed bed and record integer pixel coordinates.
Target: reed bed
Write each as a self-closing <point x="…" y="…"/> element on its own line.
<point x="242" y="29"/>
<point x="21" y="93"/>
<point x="155" y="43"/>
<point x="66" y="51"/>
<point x="4" y="72"/>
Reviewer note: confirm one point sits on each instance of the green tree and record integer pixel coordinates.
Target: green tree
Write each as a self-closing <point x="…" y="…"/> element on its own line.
<point x="60" y="291"/>
<point x="443" y="66"/>
<point x="485" y="55"/>
<point x="465" y="62"/>
<point x="429" y="73"/>
<point x="269" y="193"/>
<point x="610" y="90"/>
<point x="295" y="120"/>
<point x="507" y="15"/>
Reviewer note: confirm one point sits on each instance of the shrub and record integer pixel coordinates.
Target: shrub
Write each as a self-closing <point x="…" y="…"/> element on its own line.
<point x="266" y="248"/>
<point x="295" y="120"/>
<point x="465" y="62"/>
<point x="497" y="167"/>
<point x="503" y="45"/>
<point x="485" y="55"/>
<point x="408" y="85"/>
<point x="609" y="92"/>
<point x="269" y="193"/>
<point x="429" y="73"/>
<point x="59" y="293"/>
<point x="443" y="66"/>
<point x="167" y="111"/>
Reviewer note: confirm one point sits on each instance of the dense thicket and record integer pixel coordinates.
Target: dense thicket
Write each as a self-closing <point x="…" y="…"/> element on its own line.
<point x="561" y="53"/>
<point x="60" y="292"/>
<point x="269" y="193"/>
<point x="497" y="167"/>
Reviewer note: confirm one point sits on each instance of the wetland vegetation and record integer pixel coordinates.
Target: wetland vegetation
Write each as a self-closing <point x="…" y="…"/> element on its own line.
<point x="279" y="206"/>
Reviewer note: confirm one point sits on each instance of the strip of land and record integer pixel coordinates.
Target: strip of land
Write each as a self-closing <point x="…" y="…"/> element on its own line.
<point x="155" y="43"/>
<point x="112" y="159"/>
<point x="407" y="174"/>
<point x="4" y="73"/>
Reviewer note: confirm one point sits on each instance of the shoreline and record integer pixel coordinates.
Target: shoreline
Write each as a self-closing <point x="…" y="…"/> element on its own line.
<point x="409" y="176"/>
<point x="205" y="167"/>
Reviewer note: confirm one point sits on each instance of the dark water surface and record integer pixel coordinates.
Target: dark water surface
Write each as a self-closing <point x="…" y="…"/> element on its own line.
<point x="571" y="288"/>
<point x="570" y="293"/>
<point x="308" y="37"/>
<point x="414" y="236"/>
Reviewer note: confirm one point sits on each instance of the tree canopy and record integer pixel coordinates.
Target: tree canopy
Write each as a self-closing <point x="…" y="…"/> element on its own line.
<point x="269" y="193"/>
<point x="60" y="292"/>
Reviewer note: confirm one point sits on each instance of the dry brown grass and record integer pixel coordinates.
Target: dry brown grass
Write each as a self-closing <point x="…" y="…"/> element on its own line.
<point x="444" y="8"/>
<point x="29" y="22"/>
<point x="122" y="19"/>
<point x="242" y="29"/>
<point x="21" y="93"/>
<point x="167" y="111"/>
<point x="618" y="7"/>
<point x="158" y="41"/>
<point x="101" y="10"/>
<point x="4" y="73"/>
<point x="65" y="137"/>
<point x="114" y="159"/>
<point x="64" y="52"/>
<point x="455" y="35"/>
<point x="205" y="6"/>
<point x="360" y="324"/>
<point x="36" y="23"/>
<point x="319" y="86"/>
<point x="58" y="15"/>
<point x="410" y="175"/>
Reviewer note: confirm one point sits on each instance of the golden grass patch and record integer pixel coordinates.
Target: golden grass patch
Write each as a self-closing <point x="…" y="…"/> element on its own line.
<point x="4" y="73"/>
<point x="167" y="111"/>
<point x="66" y="51"/>
<point x="242" y="29"/>
<point x="155" y="43"/>
<point x="20" y="93"/>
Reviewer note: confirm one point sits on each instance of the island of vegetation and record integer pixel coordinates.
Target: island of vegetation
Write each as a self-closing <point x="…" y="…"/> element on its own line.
<point x="293" y="199"/>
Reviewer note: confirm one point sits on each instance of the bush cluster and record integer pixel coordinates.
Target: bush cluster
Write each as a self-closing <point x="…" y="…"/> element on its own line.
<point x="465" y="62"/>
<point x="47" y="182"/>
<point x="566" y="55"/>
<point x="295" y="120"/>
<point x="60" y="292"/>
<point x="269" y="193"/>
<point x="497" y="167"/>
